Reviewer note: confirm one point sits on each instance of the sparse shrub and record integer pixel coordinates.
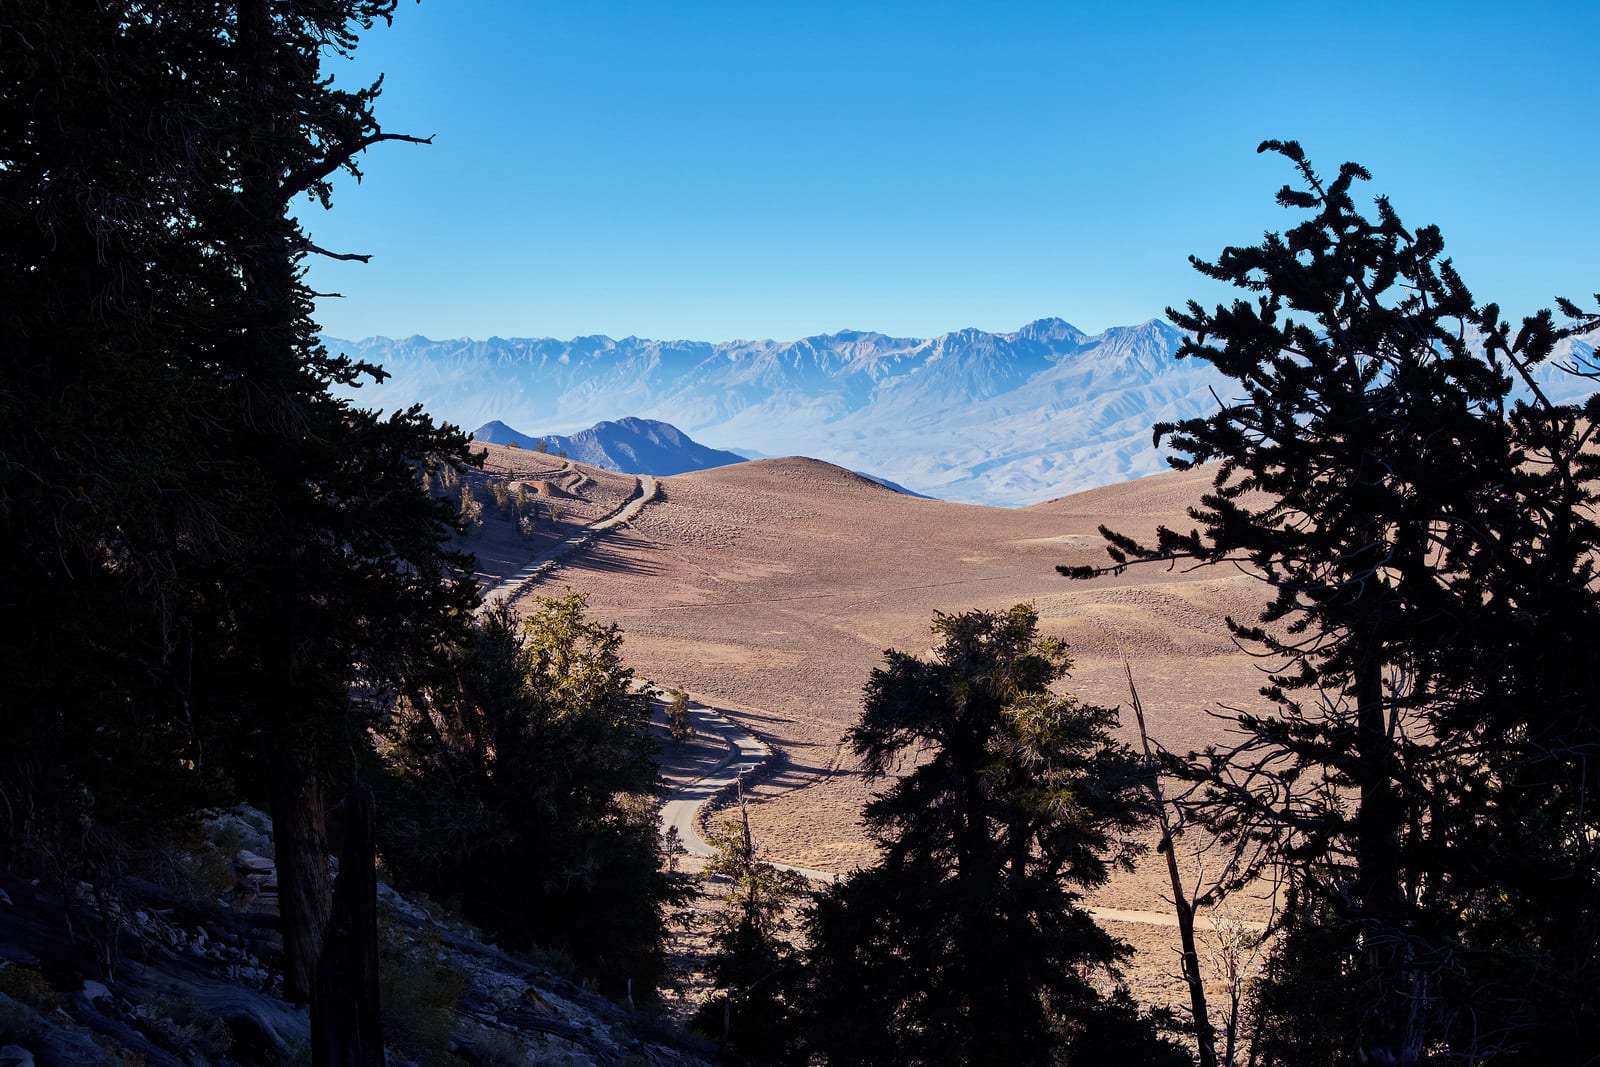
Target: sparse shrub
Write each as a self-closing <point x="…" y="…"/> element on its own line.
<point x="526" y="510"/>
<point x="541" y="447"/>
<point x="496" y="1048"/>
<point x="185" y="1028"/>
<point x="419" y="989"/>
<point x="227" y="836"/>
<point x="471" y="510"/>
<point x="27" y="986"/>
<point x="198" y="862"/>
<point x="501" y="489"/>
<point x="680" y="724"/>
<point x="16" y="1019"/>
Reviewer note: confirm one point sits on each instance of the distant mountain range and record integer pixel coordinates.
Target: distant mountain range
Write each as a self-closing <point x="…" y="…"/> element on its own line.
<point x="636" y="446"/>
<point x="994" y="418"/>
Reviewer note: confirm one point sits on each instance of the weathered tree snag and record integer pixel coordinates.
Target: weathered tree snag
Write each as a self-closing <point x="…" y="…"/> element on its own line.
<point x="300" y="840"/>
<point x="346" y="1030"/>
<point x="1182" y="904"/>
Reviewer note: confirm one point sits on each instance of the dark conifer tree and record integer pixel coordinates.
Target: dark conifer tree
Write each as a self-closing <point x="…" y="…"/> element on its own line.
<point x="225" y="570"/>
<point x="525" y="786"/>
<point x="1424" y="537"/>
<point x="113" y="493"/>
<point x="967" y="942"/>
<point x="756" y="970"/>
<point x="338" y="556"/>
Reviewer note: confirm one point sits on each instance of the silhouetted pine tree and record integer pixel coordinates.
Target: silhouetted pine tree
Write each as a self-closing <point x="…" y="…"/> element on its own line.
<point x="757" y="972"/>
<point x="114" y="495"/>
<point x="1428" y="546"/>
<point x="525" y="786"/>
<point x="225" y="570"/>
<point x="967" y="943"/>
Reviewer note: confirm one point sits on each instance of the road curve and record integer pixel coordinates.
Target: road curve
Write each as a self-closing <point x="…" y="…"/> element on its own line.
<point x="746" y="752"/>
<point x="645" y="488"/>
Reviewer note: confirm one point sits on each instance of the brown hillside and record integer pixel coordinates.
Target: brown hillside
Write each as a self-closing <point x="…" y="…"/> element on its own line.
<point x="772" y="588"/>
<point x="563" y="496"/>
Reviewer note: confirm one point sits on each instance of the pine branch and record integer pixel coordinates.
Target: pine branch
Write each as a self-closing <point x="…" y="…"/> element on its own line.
<point x="305" y="178"/>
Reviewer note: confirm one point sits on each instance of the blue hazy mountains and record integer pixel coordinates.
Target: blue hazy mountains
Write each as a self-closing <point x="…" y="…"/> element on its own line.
<point x="995" y="418"/>
<point x="636" y="446"/>
<point x="1000" y="418"/>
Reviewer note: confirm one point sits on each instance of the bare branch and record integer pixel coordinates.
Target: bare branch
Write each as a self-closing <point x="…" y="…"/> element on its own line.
<point x="303" y="179"/>
<point x="303" y="245"/>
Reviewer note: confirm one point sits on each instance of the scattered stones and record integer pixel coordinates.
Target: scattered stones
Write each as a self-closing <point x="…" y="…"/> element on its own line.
<point x="250" y="863"/>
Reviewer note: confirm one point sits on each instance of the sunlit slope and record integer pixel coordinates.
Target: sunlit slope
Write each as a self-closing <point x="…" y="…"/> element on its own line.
<point x="774" y="587"/>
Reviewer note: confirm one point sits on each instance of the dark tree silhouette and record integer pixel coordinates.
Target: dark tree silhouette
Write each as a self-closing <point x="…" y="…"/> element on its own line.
<point x="1427" y="543"/>
<point x="966" y="943"/>
<point x="227" y="570"/>
<point x="525" y="785"/>
<point x="756" y="970"/>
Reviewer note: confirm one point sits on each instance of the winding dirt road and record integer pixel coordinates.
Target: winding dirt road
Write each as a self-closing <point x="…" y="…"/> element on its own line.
<point x="681" y="811"/>
<point x="746" y="753"/>
<point x="644" y="491"/>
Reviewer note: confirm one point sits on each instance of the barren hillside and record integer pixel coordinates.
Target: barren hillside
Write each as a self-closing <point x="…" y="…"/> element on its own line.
<point x="772" y="589"/>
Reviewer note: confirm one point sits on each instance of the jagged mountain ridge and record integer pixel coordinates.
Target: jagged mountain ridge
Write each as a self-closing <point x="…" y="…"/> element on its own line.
<point x="994" y="418"/>
<point x="631" y="445"/>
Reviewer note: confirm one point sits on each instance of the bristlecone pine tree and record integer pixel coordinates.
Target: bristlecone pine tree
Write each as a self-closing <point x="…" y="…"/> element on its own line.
<point x="967" y="943"/>
<point x="1419" y="773"/>
<point x="525" y="787"/>
<point x="680" y="723"/>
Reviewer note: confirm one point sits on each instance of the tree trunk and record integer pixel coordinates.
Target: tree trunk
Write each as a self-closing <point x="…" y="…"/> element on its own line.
<point x="300" y="839"/>
<point x="346" y="1029"/>
<point x="1388" y="1030"/>
<point x="1205" y="1035"/>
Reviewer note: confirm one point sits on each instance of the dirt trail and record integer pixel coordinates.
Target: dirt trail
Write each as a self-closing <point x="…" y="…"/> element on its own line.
<point x="746" y="753"/>
<point x="645" y="490"/>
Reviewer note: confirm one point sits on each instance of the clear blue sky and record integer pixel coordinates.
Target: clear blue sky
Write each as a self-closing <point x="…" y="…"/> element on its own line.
<point x="750" y="170"/>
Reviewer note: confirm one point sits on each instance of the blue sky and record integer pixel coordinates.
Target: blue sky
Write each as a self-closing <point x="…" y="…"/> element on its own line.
<point x="722" y="171"/>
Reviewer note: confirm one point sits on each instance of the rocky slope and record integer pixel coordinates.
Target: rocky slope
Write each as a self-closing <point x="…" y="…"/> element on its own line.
<point x="184" y="974"/>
